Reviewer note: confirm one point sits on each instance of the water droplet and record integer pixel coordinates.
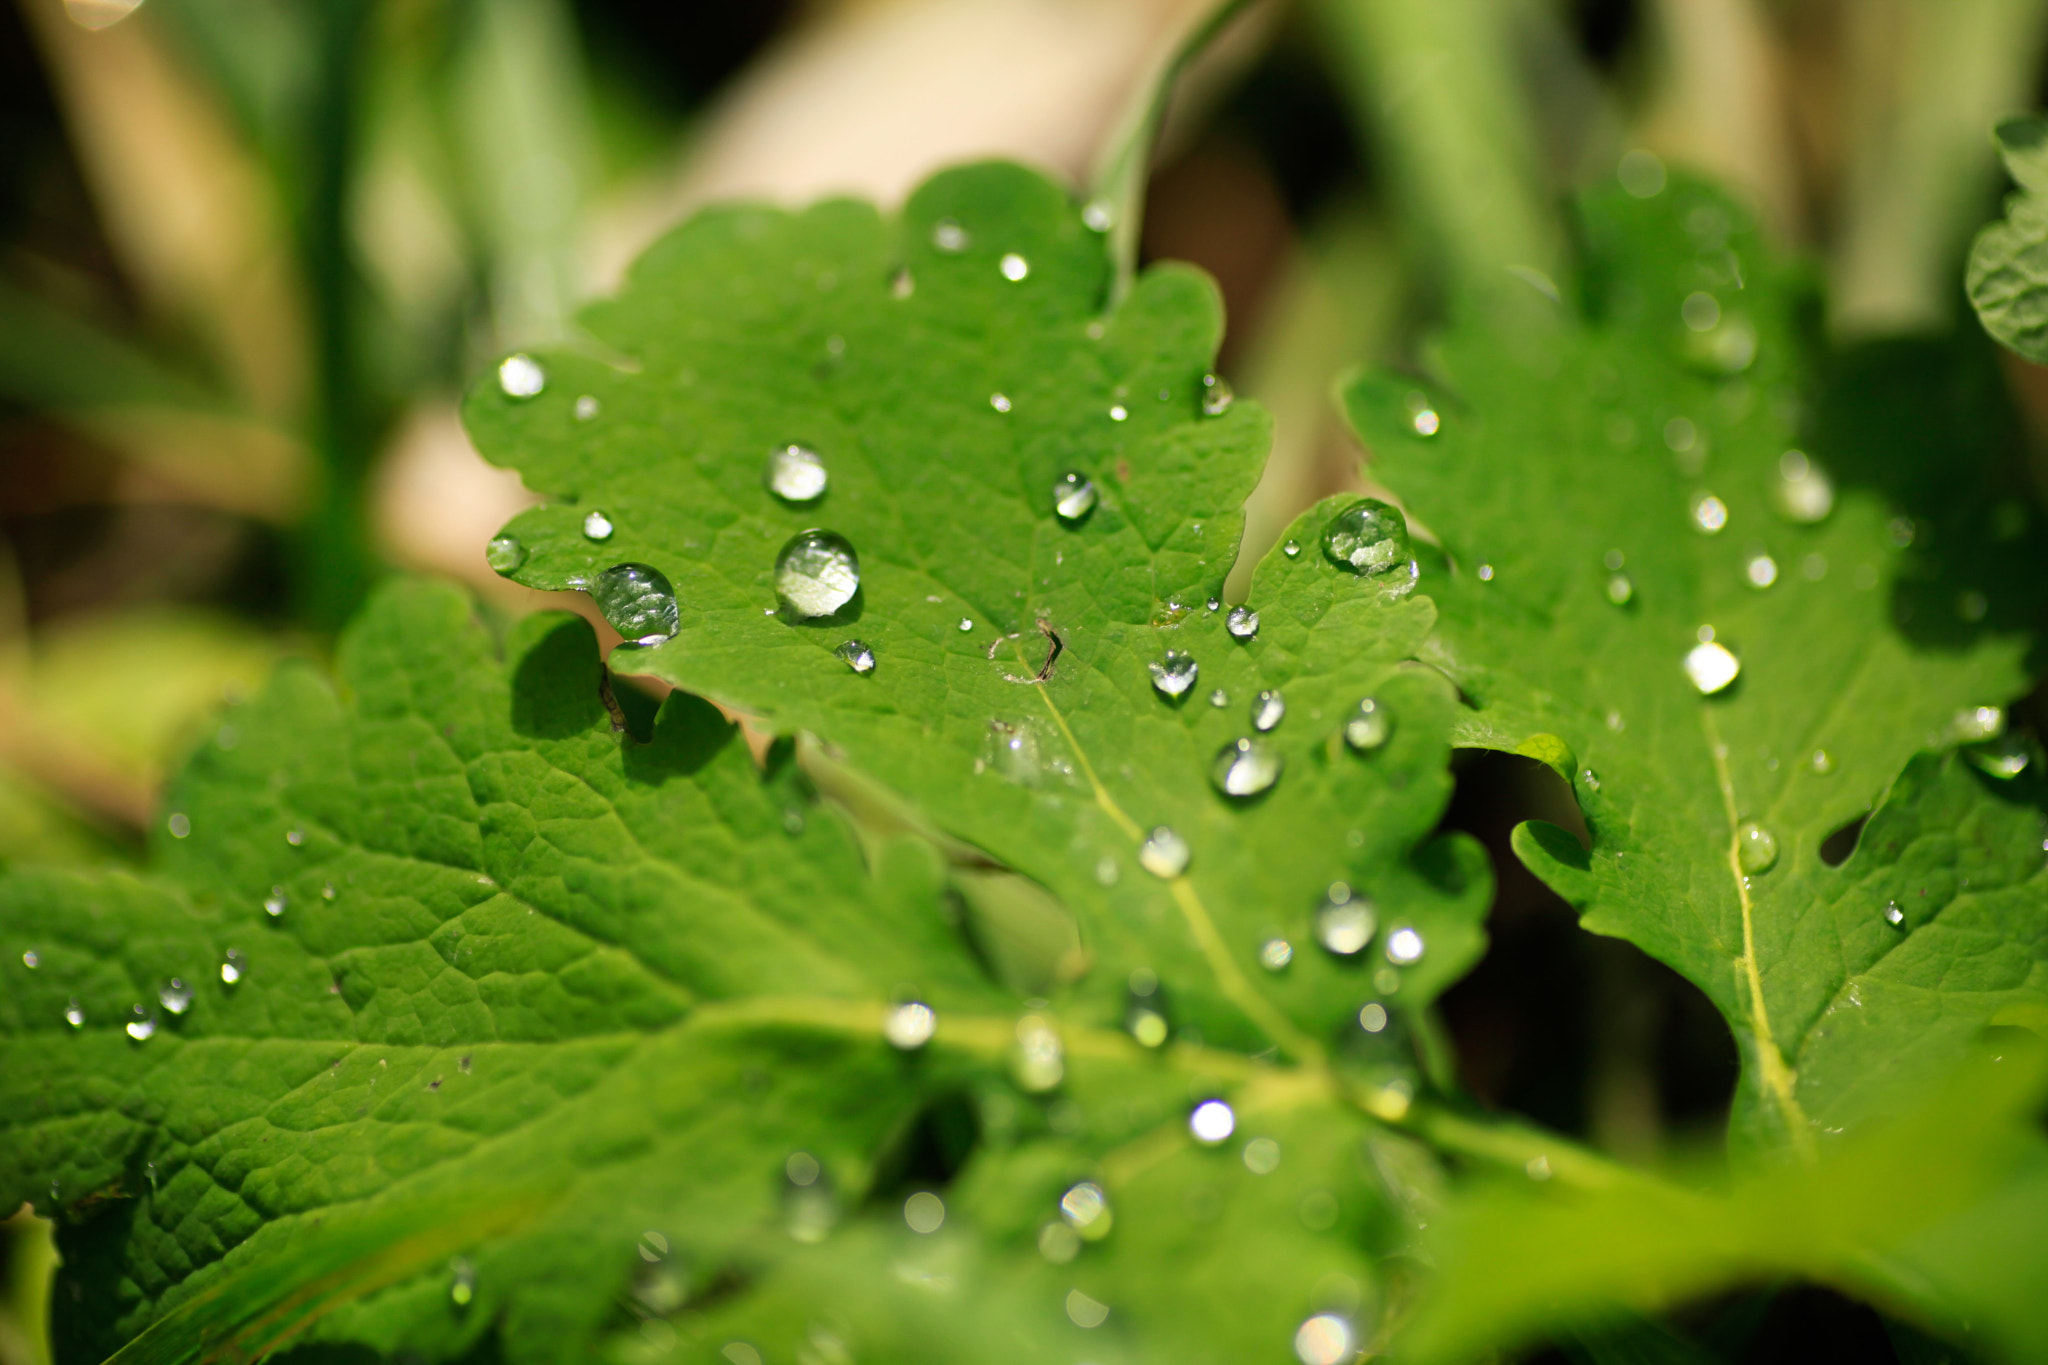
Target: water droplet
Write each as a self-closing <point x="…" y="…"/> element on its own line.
<point x="2004" y="758"/>
<point x="1073" y="496"/>
<point x="1615" y="723"/>
<point x="597" y="526"/>
<point x="1369" y="726"/>
<point x="1620" y="588"/>
<point x="999" y="402"/>
<point x="1802" y="491"/>
<point x="796" y="474"/>
<point x="1275" y="954"/>
<point x="1486" y="573"/>
<point x="1058" y="1243"/>
<point x="1537" y="1167"/>
<point x="1372" y="1017"/>
<point x="1405" y="945"/>
<point x="1589" y="779"/>
<point x="73" y="1015"/>
<point x="1761" y="570"/>
<point x="966" y="624"/>
<point x="1245" y="767"/>
<point x="1345" y="922"/>
<point x="1085" y="1312"/>
<point x="1642" y="175"/>
<point x="1173" y="675"/>
<point x="1013" y="266"/>
<point x="94" y="15"/>
<point x="505" y="554"/>
<point x="1217" y="395"/>
<point x="924" y="1213"/>
<point x="1212" y="1122"/>
<point x="1098" y="215"/>
<point x="1147" y="1025"/>
<point x="1701" y="311"/>
<point x="1107" y="873"/>
<point x="520" y="376"/>
<point x="1709" y="514"/>
<point x="858" y="656"/>
<point x="1086" y="1210"/>
<point x="175" y="996"/>
<point x="1268" y="710"/>
<point x="1118" y="412"/>
<point x="949" y="236"/>
<point x="1290" y="549"/>
<point x="587" y="407"/>
<point x="1242" y="623"/>
<point x="1368" y="537"/>
<point x="1756" y="848"/>
<point x="1325" y="1339"/>
<point x="274" y="904"/>
<point x="179" y="825"/>
<point x="1039" y="1060"/>
<point x="817" y="573"/>
<point x="1977" y="723"/>
<point x="1262" y="1156"/>
<point x="1711" y="667"/>
<point x="1164" y="854"/>
<point x="639" y="602"/>
<point x="1893" y="915"/>
<point x="461" y="1282"/>
<point x="141" y="1025"/>
<point x="327" y="892"/>
<point x="1219" y="699"/>
<point x="232" y="965"/>
<point x="1822" y="763"/>
<point x="910" y="1026"/>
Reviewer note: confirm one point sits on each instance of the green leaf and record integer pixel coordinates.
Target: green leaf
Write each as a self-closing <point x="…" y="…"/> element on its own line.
<point x="1650" y="472"/>
<point x="450" y="1009"/>
<point x="948" y="369"/>
<point x="2008" y="271"/>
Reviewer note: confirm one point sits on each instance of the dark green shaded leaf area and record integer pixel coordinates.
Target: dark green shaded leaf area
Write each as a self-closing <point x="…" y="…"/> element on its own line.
<point x="544" y="1018"/>
<point x="2008" y="271"/>
<point x="1668" y="474"/>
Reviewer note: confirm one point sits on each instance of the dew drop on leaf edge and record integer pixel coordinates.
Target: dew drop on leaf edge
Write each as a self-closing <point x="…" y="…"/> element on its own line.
<point x="520" y="376"/>
<point x="639" y="602"/>
<point x="505" y="554"/>
<point x="1369" y="537"/>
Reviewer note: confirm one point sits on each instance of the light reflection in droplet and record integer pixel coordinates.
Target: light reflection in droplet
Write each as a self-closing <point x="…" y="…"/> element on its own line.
<point x="1212" y="1121"/>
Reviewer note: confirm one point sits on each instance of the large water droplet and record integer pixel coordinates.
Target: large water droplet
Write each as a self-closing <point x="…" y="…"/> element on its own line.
<point x="1275" y="954"/>
<point x="1212" y="1121"/>
<point x="73" y="1014"/>
<point x="1324" y="1339"/>
<point x="1405" y="945"/>
<point x="1368" y="537"/>
<point x="796" y="474"/>
<point x="1709" y="514"/>
<point x="924" y="1213"/>
<point x="1368" y="726"/>
<point x="1802" y="491"/>
<point x="1345" y="921"/>
<point x="1269" y="708"/>
<point x="232" y="965"/>
<point x="1217" y="395"/>
<point x="1073" y="496"/>
<point x="1245" y="767"/>
<point x="1756" y="848"/>
<point x="1711" y="666"/>
<point x="910" y="1025"/>
<point x="274" y="904"/>
<point x="639" y="602"/>
<point x="1242" y="623"/>
<point x="1086" y="1210"/>
<point x="1164" y="854"/>
<point x="520" y="376"/>
<point x="175" y="996"/>
<point x="597" y="526"/>
<point x="1039" y="1060"/>
<point x="141" y="1025"/>
<point x="505" y="554"/>
<point x="1173" y="675"/>
<point x="817" y="573"/>
<point x="857" y="655"/>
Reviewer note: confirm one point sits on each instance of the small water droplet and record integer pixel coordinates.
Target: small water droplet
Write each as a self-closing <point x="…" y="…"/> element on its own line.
<point x="1893" y="915"/>
<point x="1085" y="1208"/>
<point x="2004" y="758"/>
<point x="1084" y="1312"/>
<point x="639" y="602"/>
<point x="858" y="656"/>
<point x="1368" y="537"/>
<point x="1275" y="954"/>
<point x="1245" y="767"/>
<point x="1486" y="573"/>
<point x="1345" y="922"/>
<point x="1013" y="266"/>
<point x="1098" y="215"/>
<point x="1269" y="708"/>
<point x="520" y="376"/>
<point x="1217" y="395"/>
<point x="966" y="624"/>
<point x="73" y="1014"/>
<point x="1372" y="1017"/>
<point x="232" y="965"/>
<point x="1164" y="854"/>
<point x="274" y="904"/>
<point x="1405" y="945"/>
<point x="796" y="474"/>
<point x="1821" y="763"/>
<point x="179" y="824"/>
<point x="1262" y="1156"/>
<point x="587" y="407"/>
<point x="1709" y="514"/>
<point x="1711" y="666"/>
<point x="1760" y="570"/>
<point x="910" y="1026"/>
<point x="1058" y="1243"/>
<point x="461" y="1282"/>
<point x="175" y="996"/>
<point x="1977" y="723"/>
<point x="30" y="960"/>
<point x="505" y="554"/>
<point x="1212" y="1121"/>
<point x="597" y="526"/>
<point x="1368" y="726"/>
<point x="1219" y="699"/>
<point x="1173" y="675"/>
<point x="1620" y="589"/>
<point x="1242" y="623"/>
<point x="1802" y="491"/>
<point x="1324" y="1339"/>
<point x="924" y="1213"/>
<point x="1756" y="848"/>
<point x="1423" y="418"/>
<point x="1073" y="496"/>
<point x="1039" y="1060"/>
<point x="816" y="573"/>
<point x="1118" y="412"/>
<point x="999" y="402"/>
<point x="295" y="836"/>
<point x="949" y="236"/>
<point x="141" y="1025"/>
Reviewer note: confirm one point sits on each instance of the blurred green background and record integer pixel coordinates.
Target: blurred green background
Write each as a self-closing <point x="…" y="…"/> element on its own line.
<point x="249" y="249"/>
